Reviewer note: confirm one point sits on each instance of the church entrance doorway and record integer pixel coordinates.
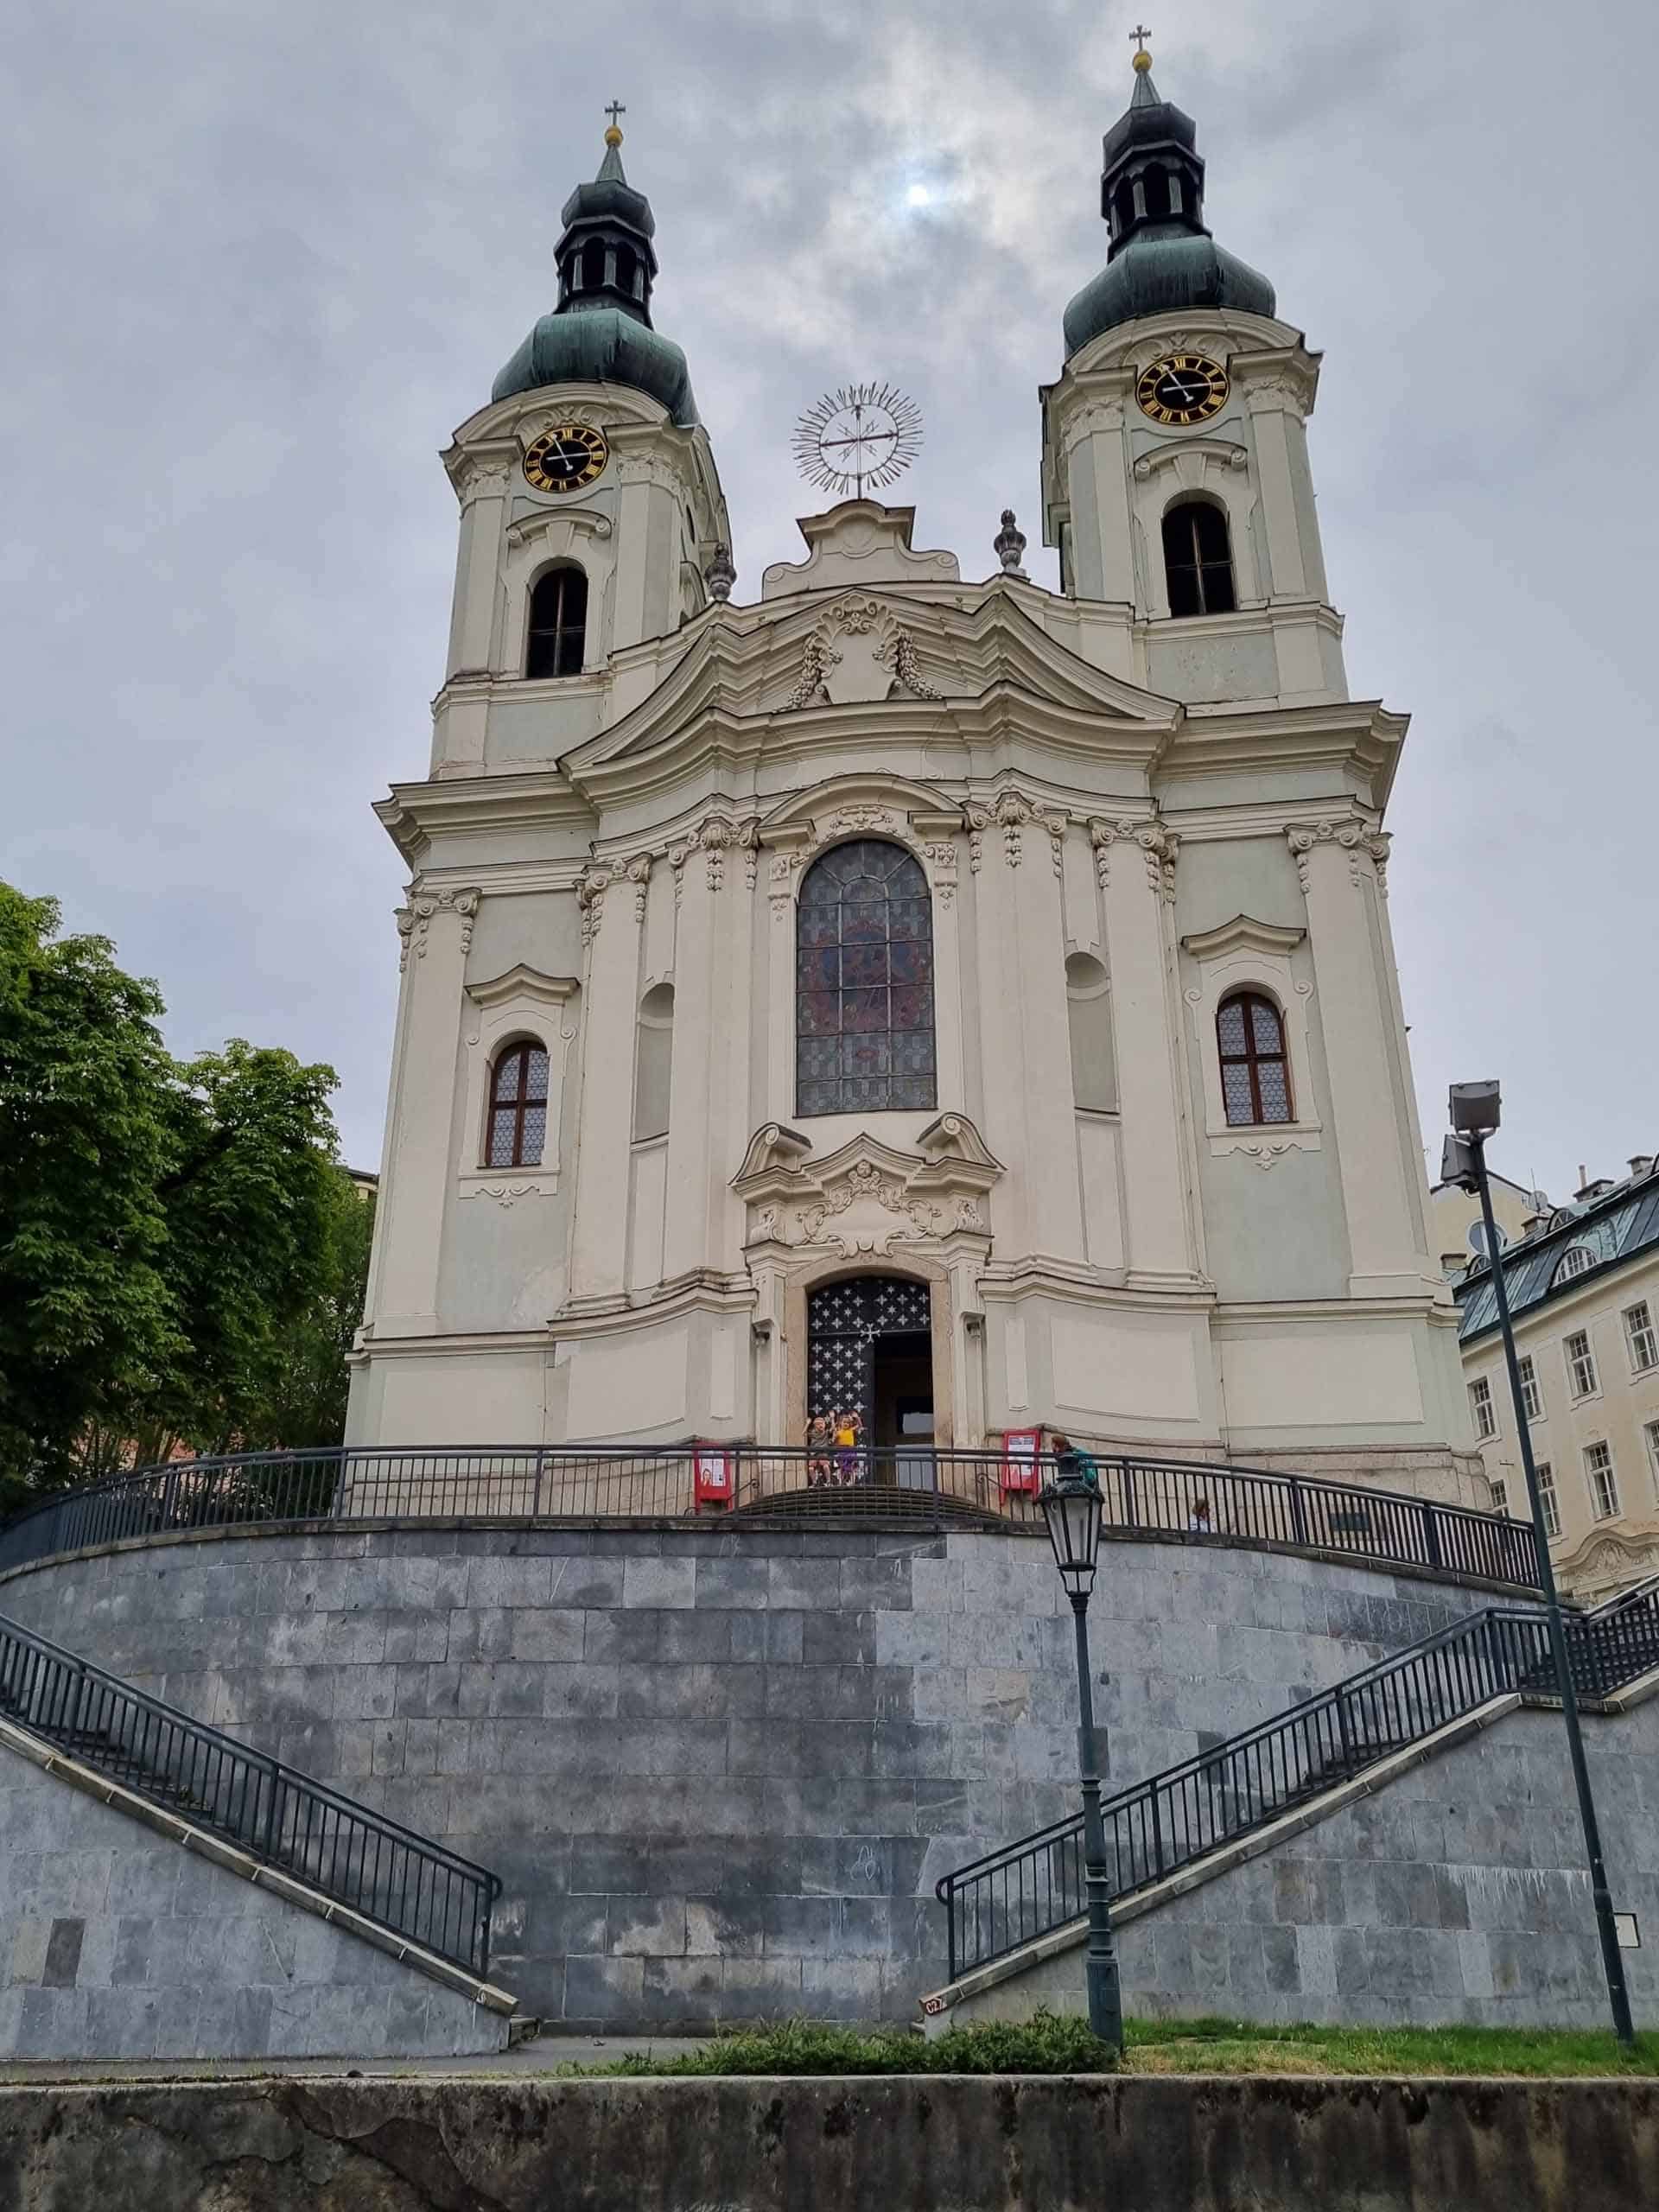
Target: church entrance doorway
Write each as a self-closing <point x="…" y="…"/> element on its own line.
<point x="870" y="1371"/>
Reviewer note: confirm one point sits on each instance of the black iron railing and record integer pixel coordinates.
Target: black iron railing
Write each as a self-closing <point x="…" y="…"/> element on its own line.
<point x="353" y="1855"/>
<point x="1035" y="1885"/>
<point x="922" y="1485"/>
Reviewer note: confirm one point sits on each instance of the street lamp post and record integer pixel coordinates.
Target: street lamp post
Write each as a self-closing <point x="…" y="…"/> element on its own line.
<point x="1072" y="1508"/>
<point x="1475" y="1112"/>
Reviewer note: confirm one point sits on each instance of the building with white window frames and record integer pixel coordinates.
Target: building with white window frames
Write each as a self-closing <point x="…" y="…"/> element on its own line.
<point x="1584" y="1288"/>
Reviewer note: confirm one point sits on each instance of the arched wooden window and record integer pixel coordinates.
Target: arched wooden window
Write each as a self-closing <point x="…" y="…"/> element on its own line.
<point x="558" y="624"/>
<point x="517" y="1108"/>
<point x="1199" y="559"/>
<point x="864" y="982"/>
<point x="1255" y="1070"/>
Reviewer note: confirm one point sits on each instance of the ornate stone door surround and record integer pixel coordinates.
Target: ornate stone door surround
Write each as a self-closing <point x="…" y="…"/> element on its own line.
<point x="868" y="1208"/>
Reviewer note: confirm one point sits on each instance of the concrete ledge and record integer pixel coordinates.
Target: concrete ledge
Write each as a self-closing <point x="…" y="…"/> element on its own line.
<point x="203" y="1843"/>
<point x="924" y="2142"/>
<point x="936" y="2006"/>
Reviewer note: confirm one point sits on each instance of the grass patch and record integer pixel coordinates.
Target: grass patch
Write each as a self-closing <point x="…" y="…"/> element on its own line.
<point x="1224" y="2046"/>
<point x="1062" y="2043"/>
<point x="1049" y="2044"/>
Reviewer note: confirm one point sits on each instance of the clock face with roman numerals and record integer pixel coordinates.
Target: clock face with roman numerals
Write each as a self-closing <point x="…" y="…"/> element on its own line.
<point x="1183" y="388"/>
<point x="565" y="457"/>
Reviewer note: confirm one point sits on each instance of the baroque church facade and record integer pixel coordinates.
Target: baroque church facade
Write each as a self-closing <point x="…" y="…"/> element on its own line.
<point x="966" y="1001"/>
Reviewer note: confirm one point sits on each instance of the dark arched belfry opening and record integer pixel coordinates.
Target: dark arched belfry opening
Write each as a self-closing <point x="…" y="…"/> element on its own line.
<point x="870" y="1371"/>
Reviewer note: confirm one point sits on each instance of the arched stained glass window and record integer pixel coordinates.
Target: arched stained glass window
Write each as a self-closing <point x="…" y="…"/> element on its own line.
<point x="864" y="984"/>
<point x="1255" y="1072"/>
<point x="517" y="1108"/>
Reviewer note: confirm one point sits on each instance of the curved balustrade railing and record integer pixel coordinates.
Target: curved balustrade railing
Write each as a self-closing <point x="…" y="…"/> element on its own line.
<point x="922" y="1485"/>
<point x="1035" y="1885"/>
<point x="352" y="1854"/>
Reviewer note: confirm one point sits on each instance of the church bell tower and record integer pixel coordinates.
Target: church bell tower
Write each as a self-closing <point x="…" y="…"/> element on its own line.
<point x="1175" y="471"/>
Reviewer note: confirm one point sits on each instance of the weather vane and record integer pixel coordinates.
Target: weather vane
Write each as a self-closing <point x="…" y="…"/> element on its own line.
<point x="863" y="434"/>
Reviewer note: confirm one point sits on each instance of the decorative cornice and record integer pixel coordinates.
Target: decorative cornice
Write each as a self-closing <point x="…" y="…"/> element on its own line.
<point x="1242" y="934"/>
<point x="529" y="527"/>
<point x="1221" y="451"/>
<point x="524" y="982"/>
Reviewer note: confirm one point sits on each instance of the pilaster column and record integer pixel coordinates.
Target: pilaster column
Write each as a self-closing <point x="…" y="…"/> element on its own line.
<point x="787" y="852"/>
<point x="633" y="543"/>
<point x="1337" y="862"/>
<point x="1102" y="545"/>
<point x="436" y="927"/>
<point x="1032" y="839"/>
<point x="478" y="564"/>
<point x="699" y="872"/>
<point x="941" y="851"/>
<point x="612" y="897"/>
<point x="1000" y="986"/>
<point x="1136" y="865"/>
<point x="730" y="1116"/>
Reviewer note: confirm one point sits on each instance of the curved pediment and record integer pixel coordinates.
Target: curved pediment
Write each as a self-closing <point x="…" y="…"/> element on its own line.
<point x="868" y="1195"/>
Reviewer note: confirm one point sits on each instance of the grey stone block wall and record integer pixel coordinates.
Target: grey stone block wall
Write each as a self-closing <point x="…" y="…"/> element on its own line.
<point x="719" y="1774"/>
<point x="1456" y="1894"/>
<point x="116" y="1944"/>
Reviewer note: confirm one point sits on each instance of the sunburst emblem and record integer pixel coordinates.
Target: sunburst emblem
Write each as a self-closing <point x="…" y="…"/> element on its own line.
<point x="861" y="437"/>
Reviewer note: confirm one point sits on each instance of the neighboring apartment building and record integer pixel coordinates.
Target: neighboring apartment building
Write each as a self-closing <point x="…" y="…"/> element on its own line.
<point x="1584" y="1290"/>
<point x="1455" y="1228"/>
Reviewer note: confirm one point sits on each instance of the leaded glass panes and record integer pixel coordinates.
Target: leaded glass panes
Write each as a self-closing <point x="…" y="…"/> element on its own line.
<point x="517" y="1127"/>
<point x="1255" y="1072"/>
<point x="864" y="984"/>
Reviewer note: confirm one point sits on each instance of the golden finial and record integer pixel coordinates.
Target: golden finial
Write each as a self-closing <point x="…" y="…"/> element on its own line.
<point x="613" y="135"/>
<point x="1142" y="59"/>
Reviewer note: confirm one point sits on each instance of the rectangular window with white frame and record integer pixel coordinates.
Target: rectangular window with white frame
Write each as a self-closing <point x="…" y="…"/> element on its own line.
<point x="1580" y="1365"/>
<point x="1548" y="1499"/>
<point x="1640" y="1336"/>
<point x="1480" y="1405"/>
<point x="1500" y="1498"/>
<point x="1531" y="1396"/>
<point x="1651" y="1432"/>
<point x="1604" y="1490"/>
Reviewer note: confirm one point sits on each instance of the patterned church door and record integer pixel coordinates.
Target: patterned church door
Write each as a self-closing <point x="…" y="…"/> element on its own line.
<point x="870" y="1369"/>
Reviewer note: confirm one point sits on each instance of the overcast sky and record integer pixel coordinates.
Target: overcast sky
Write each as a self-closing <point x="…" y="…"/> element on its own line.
<point x="261" y="255"/>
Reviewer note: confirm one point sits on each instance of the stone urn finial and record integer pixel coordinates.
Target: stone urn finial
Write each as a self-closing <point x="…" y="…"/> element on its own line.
<point x="1009" y="546"/>
<point x="720" y="572"/>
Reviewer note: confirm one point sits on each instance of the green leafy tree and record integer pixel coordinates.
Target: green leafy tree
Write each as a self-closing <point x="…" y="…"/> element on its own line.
<point x="87" y="1314"/>
<point x="305" y="1403"/>
<point x="167" y="1232"/>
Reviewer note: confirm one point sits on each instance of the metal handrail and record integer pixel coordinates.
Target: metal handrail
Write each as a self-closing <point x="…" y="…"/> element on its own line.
<point x="1028" y="1888"/>
<point x="923" y="1485"/>
<point x="357" y="1857"/>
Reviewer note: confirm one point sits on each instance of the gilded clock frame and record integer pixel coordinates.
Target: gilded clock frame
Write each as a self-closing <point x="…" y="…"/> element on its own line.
<point x="1217" y="386"/>
<point x="594" y="443"/>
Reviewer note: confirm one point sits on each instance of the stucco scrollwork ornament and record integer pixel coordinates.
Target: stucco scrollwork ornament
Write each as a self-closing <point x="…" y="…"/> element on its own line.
<point x="482" y="476"/>
<point x="818" y="657"/>
<point x="1100" y="415"/>
<point x="1357" y="839"/>
<point x="592" y="885"/>
<point x="941" y="857"/>
<point x="1101" y="836"/>
<point x="862" y="816"/>
<point x="505" y="1194"/>
<point x="1012" y="810"/>
<point x="1159" y="849"/>
<point x="677" y="856"/>
<point x="867" y="1195"/>
<point x="415" y="920"/>
<point x="412" y="921"/>
<point x="639" y="873"/>
<point x="977" y="821"/>
<point x="465" y="904"/>
<point x="899" y="654"/>
<point x="715" y="836"/>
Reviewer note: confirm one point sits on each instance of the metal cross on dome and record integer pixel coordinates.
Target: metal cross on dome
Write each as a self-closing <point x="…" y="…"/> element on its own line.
<point x="1140" y="34"/>
<point x="616" y="111"/>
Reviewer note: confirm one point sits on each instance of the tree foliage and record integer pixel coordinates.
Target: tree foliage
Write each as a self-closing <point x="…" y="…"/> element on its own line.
<point x="175" y="1251"/>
